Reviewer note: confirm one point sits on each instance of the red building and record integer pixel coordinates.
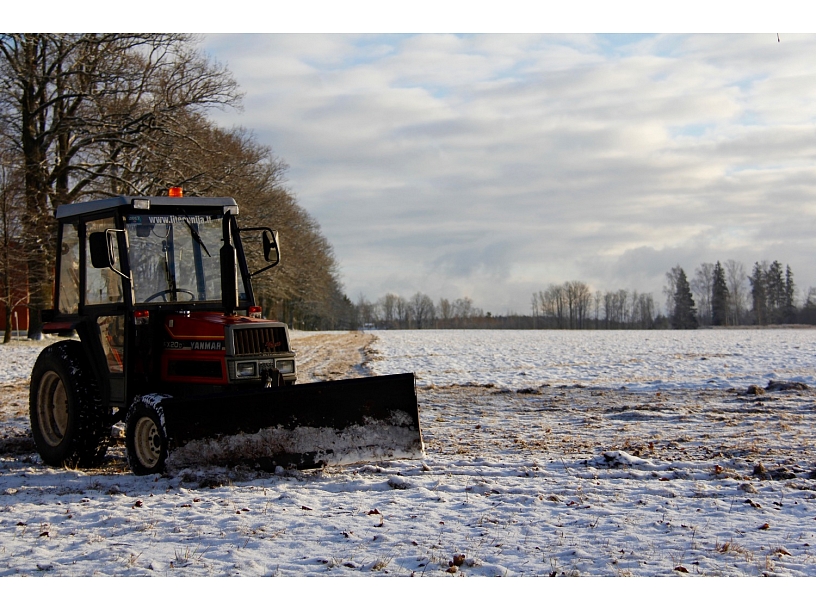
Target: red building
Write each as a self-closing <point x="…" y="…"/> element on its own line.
<point x="18" y="273"/>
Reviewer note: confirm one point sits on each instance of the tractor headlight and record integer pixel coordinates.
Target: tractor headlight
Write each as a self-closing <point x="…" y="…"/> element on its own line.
<point x="285" y="366"/>
<point x="244" y="370"/>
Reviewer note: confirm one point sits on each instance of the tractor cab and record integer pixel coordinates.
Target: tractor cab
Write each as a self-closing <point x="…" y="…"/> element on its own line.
<point x="158" y="289"/>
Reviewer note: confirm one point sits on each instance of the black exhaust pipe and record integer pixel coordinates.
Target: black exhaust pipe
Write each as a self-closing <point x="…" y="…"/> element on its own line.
<point x="229" y="270"/>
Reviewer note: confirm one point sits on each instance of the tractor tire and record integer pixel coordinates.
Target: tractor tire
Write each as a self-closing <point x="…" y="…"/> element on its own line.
<point x="70" y="425"/>
<point x="146" y="435"/>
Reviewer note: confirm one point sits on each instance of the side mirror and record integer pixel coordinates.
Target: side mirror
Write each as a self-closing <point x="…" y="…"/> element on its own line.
<point x="271" y="249"/>
<point x="102" y="246"/>
<point x="271" y="246"/>
<point x="102" y="252"/>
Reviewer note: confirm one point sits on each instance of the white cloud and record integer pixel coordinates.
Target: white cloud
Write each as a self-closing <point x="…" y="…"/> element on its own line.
<point x="491" y="165"/>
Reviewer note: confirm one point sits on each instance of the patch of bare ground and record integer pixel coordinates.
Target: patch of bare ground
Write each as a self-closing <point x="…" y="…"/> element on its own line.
<point x="722" y="431"/>
<point x="14" y="400"/>
<point x="330" y="356"/>
<point x="15" y="438"/>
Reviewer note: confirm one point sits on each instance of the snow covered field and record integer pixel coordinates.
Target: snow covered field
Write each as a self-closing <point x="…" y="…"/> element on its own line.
<point x="681" y="473"/>
<point x="638" y="360"/>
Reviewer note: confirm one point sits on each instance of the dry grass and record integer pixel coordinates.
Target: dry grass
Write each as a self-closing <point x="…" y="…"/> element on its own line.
<point x="735" y="549"/>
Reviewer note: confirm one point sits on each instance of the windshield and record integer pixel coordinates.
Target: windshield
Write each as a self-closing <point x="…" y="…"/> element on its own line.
<point x="176" y="257"/>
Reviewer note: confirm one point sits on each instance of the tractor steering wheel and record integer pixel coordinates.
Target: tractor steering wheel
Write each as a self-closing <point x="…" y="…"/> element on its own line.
<point x="165" y="292"/>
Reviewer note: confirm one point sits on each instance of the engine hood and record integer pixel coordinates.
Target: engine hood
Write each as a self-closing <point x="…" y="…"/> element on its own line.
<point x="209" y="326"/>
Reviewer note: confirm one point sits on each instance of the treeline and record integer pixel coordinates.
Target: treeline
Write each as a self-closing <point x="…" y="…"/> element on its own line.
<point x="716" y="295"/>
<point x="86" y="116"/>
<point x="570" y="305"/>
<point x="419" y="311"/>
<point x="573" y="305"/>
<point x="725" y="295"/>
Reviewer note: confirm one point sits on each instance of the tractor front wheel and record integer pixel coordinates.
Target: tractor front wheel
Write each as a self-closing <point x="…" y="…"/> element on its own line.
<point x="145" y="436"/>
<point x="70" y="425"/>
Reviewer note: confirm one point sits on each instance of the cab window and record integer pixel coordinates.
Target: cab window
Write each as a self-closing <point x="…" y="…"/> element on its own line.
<point x="102" y="286"/>
<point x="69" y="270"/>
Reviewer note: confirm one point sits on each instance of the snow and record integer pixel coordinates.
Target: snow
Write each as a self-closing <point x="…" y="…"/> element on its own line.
<point x="381" y="440"/>
<point x="645" y="360"/>
<point x="680" y="474"/>
<point x="18" y="359"/>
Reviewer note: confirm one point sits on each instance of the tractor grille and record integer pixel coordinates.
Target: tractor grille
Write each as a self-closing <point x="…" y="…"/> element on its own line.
<point x="251" y="341"/>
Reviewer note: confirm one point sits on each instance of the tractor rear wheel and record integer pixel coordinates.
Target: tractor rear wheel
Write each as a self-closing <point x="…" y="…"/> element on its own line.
<point x="70" y="425"/>
<point x="145" y="436"/>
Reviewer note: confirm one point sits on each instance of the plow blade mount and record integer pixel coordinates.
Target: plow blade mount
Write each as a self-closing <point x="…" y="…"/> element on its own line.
<point x="301" y="426"/>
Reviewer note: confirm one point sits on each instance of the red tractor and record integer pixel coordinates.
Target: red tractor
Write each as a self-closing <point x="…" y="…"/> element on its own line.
<point x="171" y="341"/>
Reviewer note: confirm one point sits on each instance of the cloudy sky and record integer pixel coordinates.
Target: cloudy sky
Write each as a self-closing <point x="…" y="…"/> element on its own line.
<point x="490" y="166"/>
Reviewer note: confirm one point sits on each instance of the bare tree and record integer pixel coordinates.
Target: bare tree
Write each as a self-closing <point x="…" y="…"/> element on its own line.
<point x="735" y="278"/>
<point x="444" y="310"/>
<point x="702" y="286"/>
<point x="365" y="309"/>
<point x="11" y="191"/>
<point x="76" y="104"/>
<point x="670" y="289"/>
<point x="643" y="310"/>
<point x="597" y="300"/>
<point x="422" y="309"/>
<point x="403" y="311"/>
<point x="624" y="305"/>
<point x="534" y="307"/>
<point x="578" y="298"/>
<point x="555" y="304"/>
<point x="609" y="307"/>
<point x="463" y="308"/>
<point x="546" y="308"/>
<point x="388" y="309"/>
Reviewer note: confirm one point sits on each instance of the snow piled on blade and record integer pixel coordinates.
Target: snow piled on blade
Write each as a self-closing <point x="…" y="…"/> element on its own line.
<point x="375" y="440"/>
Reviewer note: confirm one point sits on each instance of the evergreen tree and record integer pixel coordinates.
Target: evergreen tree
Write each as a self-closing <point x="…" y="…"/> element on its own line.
<point x="758" y="295"/>
<point x="775" y="292"/>
<point x="685" y="312"/>
<point x="719" y="297"/>
<point x="790" y="294"/>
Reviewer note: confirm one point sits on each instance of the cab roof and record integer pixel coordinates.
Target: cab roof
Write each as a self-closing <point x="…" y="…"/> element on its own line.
<point x="126" y="201"/>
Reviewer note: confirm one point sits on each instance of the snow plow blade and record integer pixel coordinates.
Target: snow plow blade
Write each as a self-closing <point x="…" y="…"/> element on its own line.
<point x="300" y="426"/>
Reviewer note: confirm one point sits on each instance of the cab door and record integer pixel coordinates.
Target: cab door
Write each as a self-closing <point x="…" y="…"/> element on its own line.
<point x="104" y="303"/>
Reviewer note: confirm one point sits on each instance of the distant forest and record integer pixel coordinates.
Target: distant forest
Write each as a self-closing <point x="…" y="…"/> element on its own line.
<point x="716" y="295"/>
